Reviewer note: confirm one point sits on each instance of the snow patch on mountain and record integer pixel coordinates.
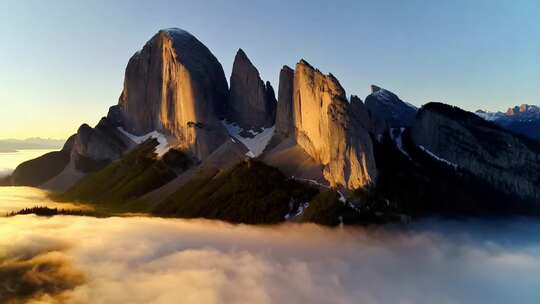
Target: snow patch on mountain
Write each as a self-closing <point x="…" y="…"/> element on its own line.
<point x="437" y="157"/>
<point x="255" y="142"/>
<point x="489" y="116"/>
<point x="397" y="136"/>
<point x="161" y="148"/>
<point x="341" y="198"/>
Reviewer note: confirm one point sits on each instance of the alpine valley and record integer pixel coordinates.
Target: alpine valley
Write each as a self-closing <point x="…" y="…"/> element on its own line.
<point x="184" y="142"/>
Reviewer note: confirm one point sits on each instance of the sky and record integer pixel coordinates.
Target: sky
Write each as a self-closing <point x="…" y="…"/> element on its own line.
<point x="62" y="63"/>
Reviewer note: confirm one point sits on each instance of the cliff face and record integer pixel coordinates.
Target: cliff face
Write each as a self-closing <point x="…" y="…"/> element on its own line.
<point x="175" y="85"/>
<point x="284" y="118"/>
<point x="504" y="160"/>
<point x="326" y="129"/>
<point x="373" y="122"/>
<point x="252" y="103"/>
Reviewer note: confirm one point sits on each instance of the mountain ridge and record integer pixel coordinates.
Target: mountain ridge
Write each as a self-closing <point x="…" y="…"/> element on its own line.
<point x="523" y="119"/>
<point x="176" y="98"/>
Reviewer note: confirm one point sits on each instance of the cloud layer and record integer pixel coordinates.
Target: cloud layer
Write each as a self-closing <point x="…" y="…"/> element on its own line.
<point x="149" y="260"/>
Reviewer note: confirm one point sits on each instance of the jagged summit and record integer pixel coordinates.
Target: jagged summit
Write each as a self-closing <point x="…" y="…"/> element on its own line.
<point x="252" y="102"/>
<point x="523" y="109"/>
<point x="177" y="108"/>
<point x="284" y="121"/>
<point x="523" y="119"/>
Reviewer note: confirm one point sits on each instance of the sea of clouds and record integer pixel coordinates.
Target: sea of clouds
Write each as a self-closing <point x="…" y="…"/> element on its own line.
<point x="67" y="259"/>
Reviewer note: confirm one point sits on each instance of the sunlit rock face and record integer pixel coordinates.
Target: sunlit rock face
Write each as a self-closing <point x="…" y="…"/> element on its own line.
<point x="177" y="86"/>
<point x="326" y="130"/>
<point x="284" y="119"/>
<point x="252" y="103"/>
<point x="506" y="161"/>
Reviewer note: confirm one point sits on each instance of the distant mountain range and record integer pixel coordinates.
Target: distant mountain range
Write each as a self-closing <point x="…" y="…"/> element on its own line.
<point x="11" y="145"/>
<point x="183" y="142"/>
<point x="523" y="119"/>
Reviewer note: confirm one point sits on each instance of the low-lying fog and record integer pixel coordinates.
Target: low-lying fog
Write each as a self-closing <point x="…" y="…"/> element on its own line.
<point x="13" y="199"/>
<point x="67" y="259"/>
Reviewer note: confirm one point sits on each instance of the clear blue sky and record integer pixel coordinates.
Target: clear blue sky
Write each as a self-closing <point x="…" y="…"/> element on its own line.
<point x="62" y="62"/>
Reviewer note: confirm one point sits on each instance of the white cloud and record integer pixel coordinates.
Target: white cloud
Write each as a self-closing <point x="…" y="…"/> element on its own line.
<point x="151" y="260"/>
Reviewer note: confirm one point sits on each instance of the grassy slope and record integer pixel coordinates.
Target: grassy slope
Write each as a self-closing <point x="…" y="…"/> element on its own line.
<point x="132" y="176"/>
<point x="251" y="192"/>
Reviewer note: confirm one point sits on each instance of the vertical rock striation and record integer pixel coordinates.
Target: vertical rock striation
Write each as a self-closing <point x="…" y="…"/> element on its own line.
<point x="177" y="86"/>
<point x="252" y="103"/>
<point x="326" y="130"/>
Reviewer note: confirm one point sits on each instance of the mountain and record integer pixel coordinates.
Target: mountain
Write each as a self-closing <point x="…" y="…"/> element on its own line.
<point x="11" y="145"/>
<point x="176" y="86"/>
<point x="252" y="103"/>
<point x="86" y="151"/>
<point x="326" y="130"/>
<point x="523" y="119"/>
<point x="284" y="121"/>
<point x="180" y="142"/>
<point x="508" y="162"/>
<point x="395" y="111"/>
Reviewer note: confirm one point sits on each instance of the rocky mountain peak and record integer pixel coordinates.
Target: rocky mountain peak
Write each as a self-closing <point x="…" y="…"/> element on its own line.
<point x="390" y="107"/>
<point x="326" y="129"/>
<point x="375" y="89"/>
<point x="522" y="109"/>
<point x="252" y="103"/>
<point x="523" y="119"/>
<point x="284" y="119"/>
<point x="175" y="85"/>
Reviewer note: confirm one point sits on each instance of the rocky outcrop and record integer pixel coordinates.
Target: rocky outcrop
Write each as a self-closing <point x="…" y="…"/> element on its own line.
<point x="284" y="118"/>
<point x="175" y="85"/>
<point x="86" y="151"/>
<point x="252" y="103"/>
<point x="387" y="105"/>
<point x="326" y="129"/>
<point x="91" y="147"/>
<point x="507" y="162"/>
